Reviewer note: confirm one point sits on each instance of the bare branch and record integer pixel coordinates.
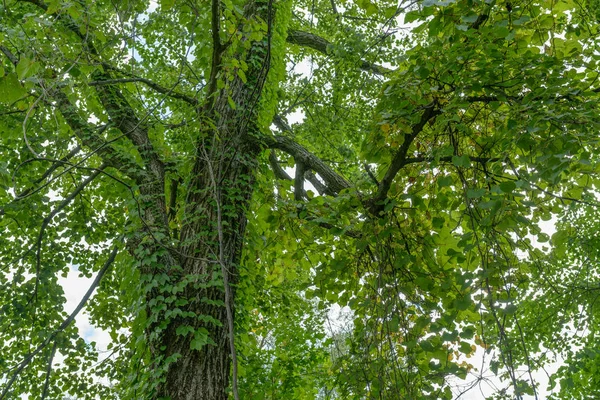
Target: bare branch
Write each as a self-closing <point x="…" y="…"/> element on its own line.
<point x="312" y="178"/>
<point x="153" y="85"/>
<point x="48" y="219"/>
<point x="48" y="371"/>
<point x="14" y="60"/>
<point x="299" y="181"/>
<point x="481" y="160"/>
<point x="371" y="175"/>
<point x="277" y="170"/>
<point x="326" y="225"/>
<point x="49" y="171"/>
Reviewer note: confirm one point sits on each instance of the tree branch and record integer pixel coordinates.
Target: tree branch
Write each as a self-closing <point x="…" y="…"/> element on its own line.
<point x="82" y="129"/>
<point x="114" y="102"/>
<point x="48" y="371"/>
<point x="312" y="178"/>
<point x="217" y="50"/>
<point x="48" y="219"/>
<point x="399" y="159"/>
<point x="277" y="170"/>
<point x="323" y="46"/>
<point x="333" y="181"/>
<point x="94" y="141"/>
<point x="119" y="110"/>
<point x="481" y="160"/>
<point x="11" y="57"/>
<point x="299" y="181"/>
<point x="134" y="78"/>
<point x="49" y="171"/>
<point x="124" y="118"/>
<point x="64" y="325"/>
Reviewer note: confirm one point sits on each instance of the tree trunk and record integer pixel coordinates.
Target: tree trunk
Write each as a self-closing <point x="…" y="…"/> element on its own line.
<point x="204" y="373"/>
<point x="212" y="234"/>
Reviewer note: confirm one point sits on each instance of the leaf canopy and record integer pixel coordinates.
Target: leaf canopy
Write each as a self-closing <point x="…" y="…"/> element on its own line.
<point x="444" y="194"/>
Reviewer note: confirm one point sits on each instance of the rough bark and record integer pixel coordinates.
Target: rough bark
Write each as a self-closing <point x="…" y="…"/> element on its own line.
<point x="212" y="235"/>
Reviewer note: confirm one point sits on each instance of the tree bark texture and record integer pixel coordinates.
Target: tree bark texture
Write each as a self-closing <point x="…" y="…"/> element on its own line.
<point x="213" y="228"/>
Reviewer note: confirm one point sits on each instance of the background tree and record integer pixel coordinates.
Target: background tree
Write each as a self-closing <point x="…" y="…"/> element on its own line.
<point x="147" y="145"/>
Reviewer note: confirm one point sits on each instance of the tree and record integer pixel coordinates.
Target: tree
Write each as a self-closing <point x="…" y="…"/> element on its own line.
<point x="149" y="146"/>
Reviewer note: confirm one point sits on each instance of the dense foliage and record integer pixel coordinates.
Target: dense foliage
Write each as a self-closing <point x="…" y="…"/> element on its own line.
<point x="429" y="167"/>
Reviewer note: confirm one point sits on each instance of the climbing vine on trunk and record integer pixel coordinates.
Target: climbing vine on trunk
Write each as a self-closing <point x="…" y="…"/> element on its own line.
<point x="298" y="199"/>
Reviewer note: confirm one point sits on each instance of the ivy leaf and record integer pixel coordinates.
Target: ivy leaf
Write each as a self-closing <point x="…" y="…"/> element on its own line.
<point x="461" y="161"/>
<point x="201" y="339"/>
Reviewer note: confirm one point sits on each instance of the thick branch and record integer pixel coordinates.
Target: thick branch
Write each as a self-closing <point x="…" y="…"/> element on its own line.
<point x="277" y="170"/>
<point x="312" y="178"/>
<point x="92" y="139"/>
<point x="322" y="45"/>
<point x="115" y="104"/>
<point x="308" y="175"/>
<point x="124" y="118"/>
<point x="299" y="181"/>
<point x="80" y="127"/>
<point x="14" y="60"/>
<point x="333" y="181"/>
<point x="217" y="50"/>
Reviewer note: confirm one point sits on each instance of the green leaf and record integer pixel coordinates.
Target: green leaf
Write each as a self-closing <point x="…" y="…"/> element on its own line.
<point x="444" y="181"/>
<point x="242" y="75"/>
<point x="510" y="309"/>
<point x="412" y="16"/>
<point x="11" y="89"/>
<point x="461" y="161"/>
<point x="475" y="193"/>
<point x="166" y="4"/>
<point x="231" y="102"/>
<point x="183" y="330"/>
<point x="201" y="339"/>
<point x="26" y="68"/>
<point x="508" y="186"/>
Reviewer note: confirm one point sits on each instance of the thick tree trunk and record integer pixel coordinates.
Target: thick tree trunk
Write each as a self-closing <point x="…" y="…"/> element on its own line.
<point x="204" y="373"/>
<point x="212" y="234"/>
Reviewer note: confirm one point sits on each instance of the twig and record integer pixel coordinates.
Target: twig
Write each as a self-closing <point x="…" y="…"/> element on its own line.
<point x="64" y="325"/>
<point x="48" y="371"/>
<point x="61" y="206"/>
